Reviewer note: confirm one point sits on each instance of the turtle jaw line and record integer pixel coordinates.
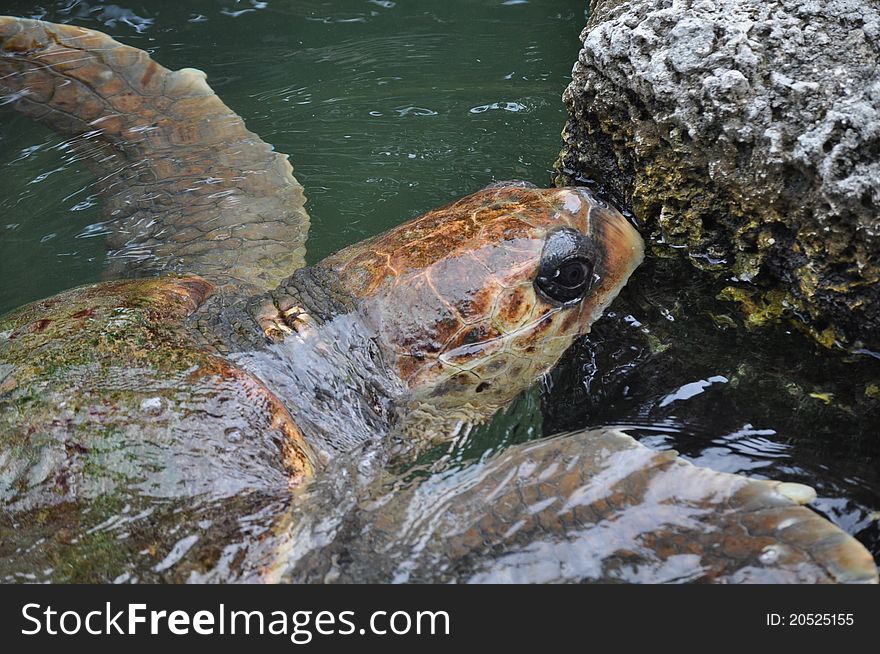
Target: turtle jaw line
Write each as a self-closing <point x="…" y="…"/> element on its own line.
<point x="473" y="348"/>
<point x="436" y="402"/>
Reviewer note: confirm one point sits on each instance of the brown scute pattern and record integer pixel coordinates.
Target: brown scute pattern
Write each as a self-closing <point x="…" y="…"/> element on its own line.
<point x="185" y="185"/>
<point x="452" y="296"/>
<point x="514" y="307"/>
<point x="468" y="286"/>
<point x="454" y="230"/>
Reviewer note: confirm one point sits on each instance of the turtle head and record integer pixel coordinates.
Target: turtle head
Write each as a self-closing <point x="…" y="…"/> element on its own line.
<point x="472" y="302"/>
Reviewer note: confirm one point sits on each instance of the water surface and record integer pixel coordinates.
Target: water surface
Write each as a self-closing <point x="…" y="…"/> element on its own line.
<point x="386" y="109"/>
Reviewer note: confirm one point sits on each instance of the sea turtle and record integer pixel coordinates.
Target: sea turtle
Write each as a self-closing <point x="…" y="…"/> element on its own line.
<point x="221" y="412"/>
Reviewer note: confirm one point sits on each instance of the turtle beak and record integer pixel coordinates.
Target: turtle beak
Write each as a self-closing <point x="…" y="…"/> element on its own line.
<point x="619" y="247"/>
<point x="622" y="245"/>
<point x="612" y="234"/>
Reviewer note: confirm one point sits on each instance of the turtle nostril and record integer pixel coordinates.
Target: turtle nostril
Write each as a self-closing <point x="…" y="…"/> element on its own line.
<point x="482" y="386"/>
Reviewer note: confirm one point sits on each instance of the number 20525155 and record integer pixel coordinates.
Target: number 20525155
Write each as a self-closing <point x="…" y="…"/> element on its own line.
<point x="810" y="619"/>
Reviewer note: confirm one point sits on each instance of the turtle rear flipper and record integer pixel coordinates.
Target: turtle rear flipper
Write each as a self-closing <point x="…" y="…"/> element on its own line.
<point x="186" y="187"/>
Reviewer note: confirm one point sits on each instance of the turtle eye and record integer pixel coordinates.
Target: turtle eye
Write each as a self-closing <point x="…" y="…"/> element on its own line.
<point x="566" y="271"/>
<point x="572" y="274"/>
<point x="568" y="282"/>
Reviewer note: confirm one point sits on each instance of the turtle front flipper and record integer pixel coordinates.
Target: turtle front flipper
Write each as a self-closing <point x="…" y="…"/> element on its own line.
<point x="592" y="506"/>
<point x="186" y="187"/>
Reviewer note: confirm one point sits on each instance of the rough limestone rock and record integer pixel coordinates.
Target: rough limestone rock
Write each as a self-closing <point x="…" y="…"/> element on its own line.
<point x="744" y="134"/>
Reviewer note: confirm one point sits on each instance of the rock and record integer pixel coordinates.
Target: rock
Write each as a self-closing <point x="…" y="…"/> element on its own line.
<point x="745" y="136"/>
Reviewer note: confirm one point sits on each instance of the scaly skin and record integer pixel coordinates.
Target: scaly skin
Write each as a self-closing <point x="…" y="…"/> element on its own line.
<point x="132" y="365"/>
<point x="592" y="506"/>
<point x="174" y="415"/>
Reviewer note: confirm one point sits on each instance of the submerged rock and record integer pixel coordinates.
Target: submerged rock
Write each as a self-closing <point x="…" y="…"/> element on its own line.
<point x="745" y="136"/>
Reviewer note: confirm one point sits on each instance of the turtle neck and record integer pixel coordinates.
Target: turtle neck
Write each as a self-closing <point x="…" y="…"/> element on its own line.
<point x="333" y="380"/>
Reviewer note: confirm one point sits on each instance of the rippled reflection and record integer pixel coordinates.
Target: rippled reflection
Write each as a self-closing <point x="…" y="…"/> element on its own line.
<point x="671" y="363"/>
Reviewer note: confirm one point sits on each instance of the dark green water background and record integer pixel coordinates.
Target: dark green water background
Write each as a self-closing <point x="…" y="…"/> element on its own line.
<point x="391" y="108"/>
<point x="386" y="109"/>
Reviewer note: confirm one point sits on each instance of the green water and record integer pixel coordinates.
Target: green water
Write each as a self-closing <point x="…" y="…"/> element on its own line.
<point x="389" y="109"/>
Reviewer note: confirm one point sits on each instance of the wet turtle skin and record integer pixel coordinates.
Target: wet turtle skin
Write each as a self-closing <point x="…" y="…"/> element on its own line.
<point x="464" y="326"/>
<point x="205" y="424"/>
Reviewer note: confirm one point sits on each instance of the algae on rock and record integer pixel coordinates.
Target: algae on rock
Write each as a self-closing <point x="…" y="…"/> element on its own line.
<point x="744" y="135"/>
